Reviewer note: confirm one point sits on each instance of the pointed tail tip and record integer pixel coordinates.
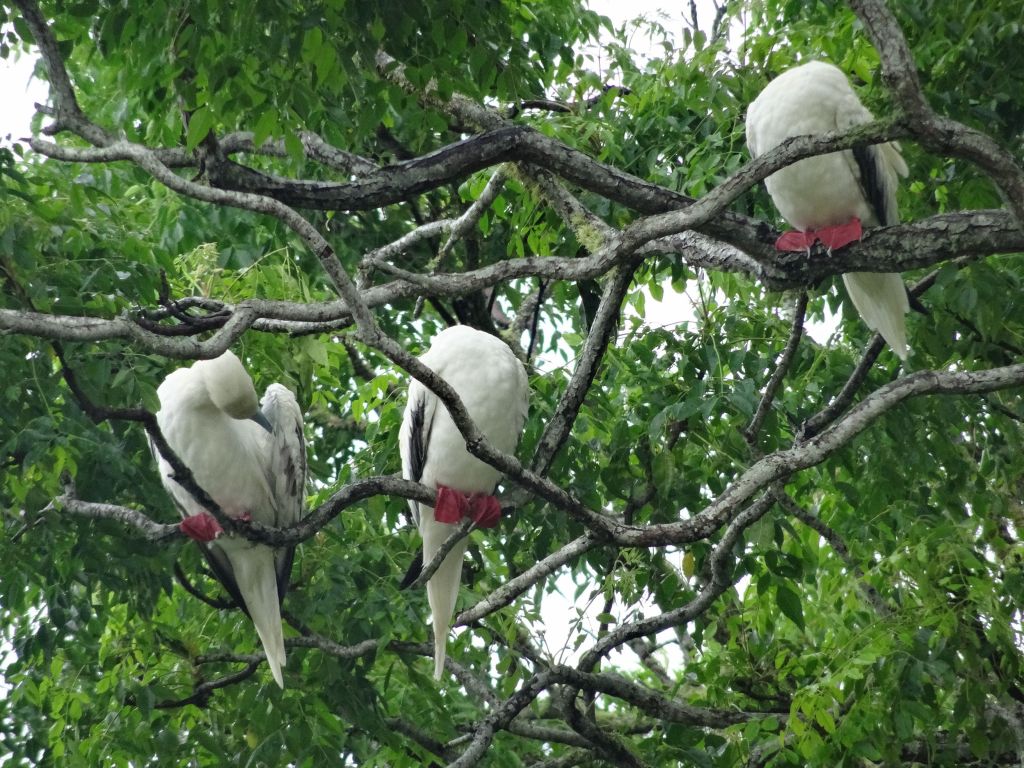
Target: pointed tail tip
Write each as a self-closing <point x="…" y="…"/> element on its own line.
<point x="275" y="670"/>
<point x="273" y="650"/>
<point x="439" y="657"/>
<point x="276" y="661"/>
<point x="896" y="339"/>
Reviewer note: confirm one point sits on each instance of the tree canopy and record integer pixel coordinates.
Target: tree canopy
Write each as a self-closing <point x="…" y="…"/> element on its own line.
<point x="796" y="552"/>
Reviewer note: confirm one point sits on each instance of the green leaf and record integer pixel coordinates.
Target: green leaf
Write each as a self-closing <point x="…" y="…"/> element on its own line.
<point x="663" y="471"/>
<point x="199" y="125"/>
<point x="823" y="718"/>
<point x="293" y="145"/>
<point x="266" y="127"/>
<point x="789" y="603"/>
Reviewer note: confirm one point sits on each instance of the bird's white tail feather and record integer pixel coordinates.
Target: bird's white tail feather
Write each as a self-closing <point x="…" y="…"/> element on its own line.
<point x="881" y="300"/>
<point x="257" y="581"/>
<point x="443" y="587"/>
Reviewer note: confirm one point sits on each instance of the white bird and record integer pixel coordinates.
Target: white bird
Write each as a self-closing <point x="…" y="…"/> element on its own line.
<point x="491" y="383"/>
<point x="828" y="197"/>
<point x="252" y="462"/>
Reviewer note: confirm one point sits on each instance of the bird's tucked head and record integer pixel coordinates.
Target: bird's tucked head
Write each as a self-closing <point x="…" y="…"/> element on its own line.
<point x="229" y="386"/>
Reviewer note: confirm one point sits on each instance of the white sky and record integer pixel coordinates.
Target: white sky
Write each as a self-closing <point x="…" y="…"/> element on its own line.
<point x="17" y="95"/>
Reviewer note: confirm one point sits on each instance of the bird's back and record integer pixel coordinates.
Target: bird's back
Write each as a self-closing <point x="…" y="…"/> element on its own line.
<point x="811" y="99"/>
<point x="226" y="456"/>
<point x="492" y="385"/>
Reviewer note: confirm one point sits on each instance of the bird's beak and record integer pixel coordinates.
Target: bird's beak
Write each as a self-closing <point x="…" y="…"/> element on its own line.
<point x="260" y="419"/>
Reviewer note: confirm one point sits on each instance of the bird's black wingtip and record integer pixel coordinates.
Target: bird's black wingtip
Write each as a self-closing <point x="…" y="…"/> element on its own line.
<point x="415" y="567"/>
<point x="916" y="305"/>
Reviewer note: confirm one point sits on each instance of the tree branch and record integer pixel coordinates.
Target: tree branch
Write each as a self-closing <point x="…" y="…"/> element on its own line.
<point x="501" y="717"/>
<point x="841" y="402"/>
<point x="781" y="368"/>
<point x="512" y="588"/>
<point x="939" y="134"/>
<point x="149" y="529"/>
<point x="835" y="541"/>
<point x="429" y="569"/>
<point x="653" y="703"/>
<point x="306" y="528"/>
<point x="201" y="694"/>
<point x="560" y="424"/>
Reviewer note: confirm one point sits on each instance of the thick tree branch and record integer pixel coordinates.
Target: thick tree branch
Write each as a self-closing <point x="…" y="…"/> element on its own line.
<point x="396" y="183"/>
<point x="68" y="115"/>
<point x="501" y="717"/>
<point x="781" y="464"/>
<point x="546" y="733"/>
<point x="344" y="498"/>
<point x="314" y="147"/>
<point x="332" y="648"/>
<point x="892" y="249"/>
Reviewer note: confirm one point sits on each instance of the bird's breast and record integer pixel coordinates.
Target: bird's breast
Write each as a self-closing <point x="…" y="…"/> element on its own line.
<point x="819" y="192"/>
<point x="489" y="390"/>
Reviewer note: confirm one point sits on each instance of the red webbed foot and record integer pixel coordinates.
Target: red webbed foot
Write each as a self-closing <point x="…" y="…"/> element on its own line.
<point x="485" y="510"/>
<point x="840" y="235"/>
<point x="795" y="242"/>
<point x="452" y="506"/>
<point x="202" y="527"/>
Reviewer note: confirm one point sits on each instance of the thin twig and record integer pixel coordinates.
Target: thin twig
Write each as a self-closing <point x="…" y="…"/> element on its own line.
<point x="192" y="589"/>
<point x="841" y="401"/>
<point x="838" y="546"/>
<point x="782" y="367"/>
<point x="560" y="424"/>
<point x="201" y="694"/>
<point x="461" y="531"/>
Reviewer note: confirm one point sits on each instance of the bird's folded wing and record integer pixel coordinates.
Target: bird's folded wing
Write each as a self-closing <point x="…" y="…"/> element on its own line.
<point x="285" y="469"/>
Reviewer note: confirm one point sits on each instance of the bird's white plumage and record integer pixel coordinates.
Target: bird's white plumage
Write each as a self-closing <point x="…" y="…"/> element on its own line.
<point x="492" y="385"/>
<point x="830" y="189"/>
<point x="205" y="415"/>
